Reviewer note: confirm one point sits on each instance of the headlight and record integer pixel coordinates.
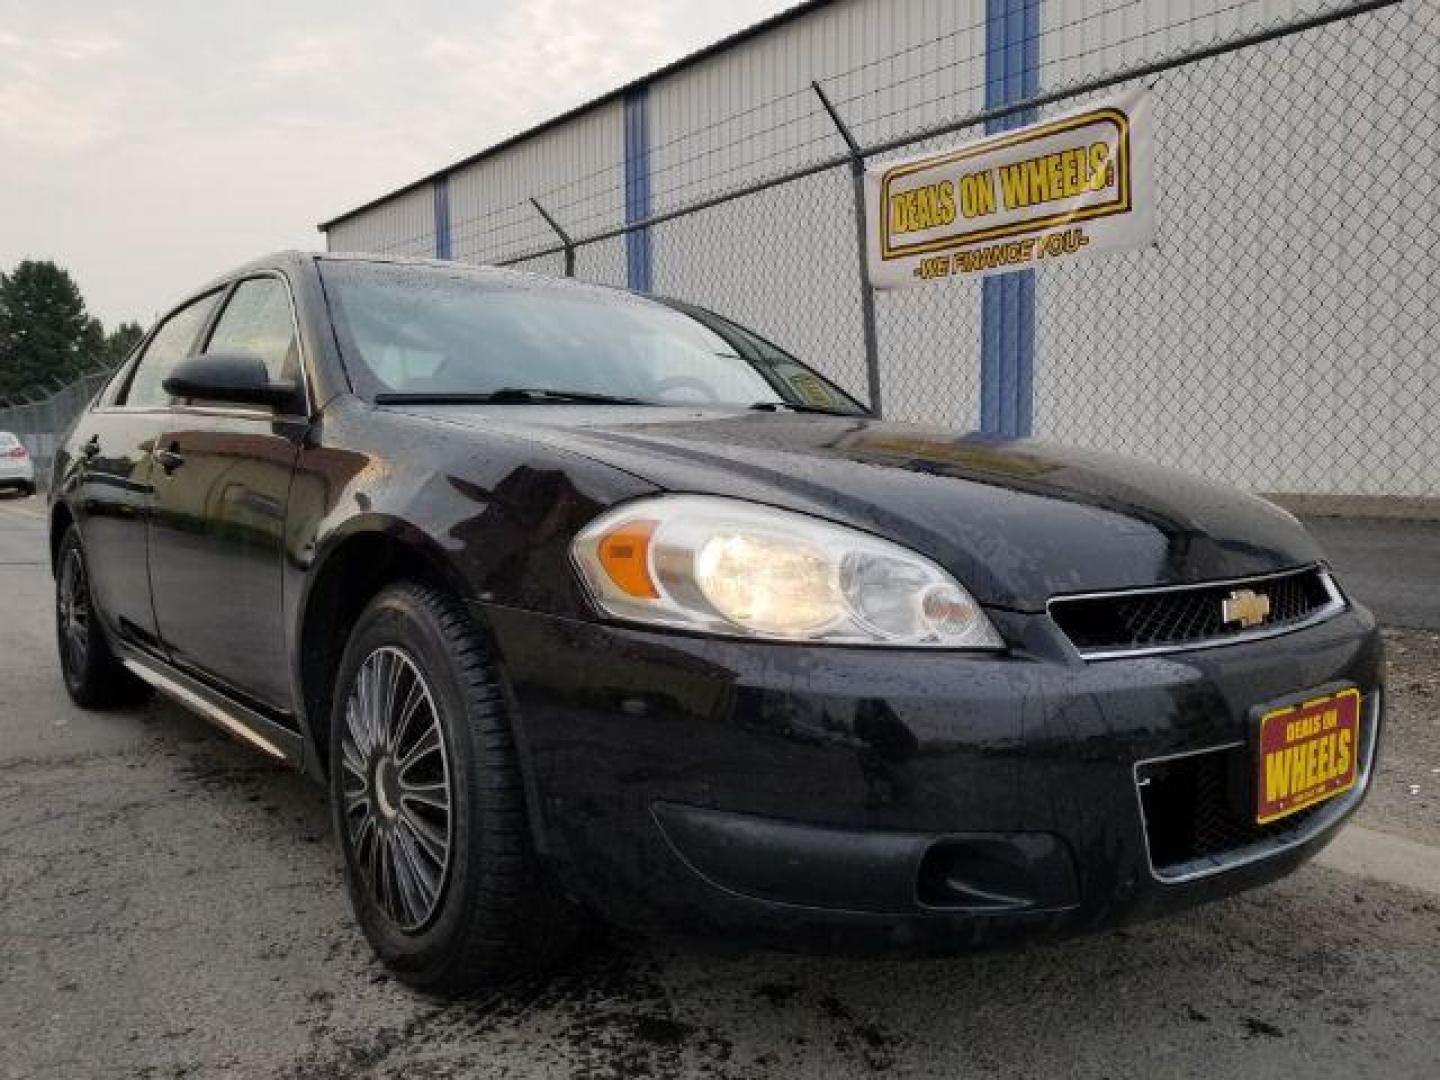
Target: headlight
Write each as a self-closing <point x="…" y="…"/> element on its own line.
<point x="730" y="567"/>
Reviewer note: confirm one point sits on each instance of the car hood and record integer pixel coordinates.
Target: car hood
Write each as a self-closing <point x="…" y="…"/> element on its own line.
<point x="1017" y="521"/>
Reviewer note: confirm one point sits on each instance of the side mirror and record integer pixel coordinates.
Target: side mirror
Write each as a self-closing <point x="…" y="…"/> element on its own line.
<point x="230" y="378"/>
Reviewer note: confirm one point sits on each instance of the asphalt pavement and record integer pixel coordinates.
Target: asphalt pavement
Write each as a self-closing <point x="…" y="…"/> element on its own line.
<point x="1392" y="566"/>
<point x="171" y="905"/>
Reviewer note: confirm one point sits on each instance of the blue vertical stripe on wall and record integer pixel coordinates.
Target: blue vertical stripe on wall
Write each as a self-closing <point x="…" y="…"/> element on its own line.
<point x="442" y="217"/>
<point x="1007" y="301"/>
<point x="638" y="269"/>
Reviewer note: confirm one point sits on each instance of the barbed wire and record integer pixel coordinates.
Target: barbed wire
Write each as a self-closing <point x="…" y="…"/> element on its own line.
<point x="480" y="227"/>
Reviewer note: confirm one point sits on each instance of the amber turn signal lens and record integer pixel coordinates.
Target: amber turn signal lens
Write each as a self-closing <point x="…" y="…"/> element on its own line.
<point x="625" y="555"/>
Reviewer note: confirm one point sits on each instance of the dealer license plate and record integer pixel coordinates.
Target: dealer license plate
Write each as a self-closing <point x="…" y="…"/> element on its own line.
<point x="1308" y="753"/>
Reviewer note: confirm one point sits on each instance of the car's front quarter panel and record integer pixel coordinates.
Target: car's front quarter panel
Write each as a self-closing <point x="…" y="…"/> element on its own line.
<point x="492" y="515"/>
<point x="502" y="511"/>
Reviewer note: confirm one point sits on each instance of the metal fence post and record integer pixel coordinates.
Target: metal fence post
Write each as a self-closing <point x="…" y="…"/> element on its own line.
<point x="862" y="240"/>
<point x="562" y="234"/>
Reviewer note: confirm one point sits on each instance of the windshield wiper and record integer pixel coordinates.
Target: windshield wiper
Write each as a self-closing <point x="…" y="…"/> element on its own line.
<point x="790" y="406"/>
<point x="524" y="395"/>
<point x="507" y="395"/>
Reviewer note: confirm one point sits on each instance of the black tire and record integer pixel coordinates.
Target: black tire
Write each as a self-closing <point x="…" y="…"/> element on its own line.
<point x="94" y="678"/>
<point x="494" y="915"/>
<point x="28" y="491"/>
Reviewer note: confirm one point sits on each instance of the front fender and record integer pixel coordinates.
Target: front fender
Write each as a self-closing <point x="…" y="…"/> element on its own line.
<point x="488" y="516"/>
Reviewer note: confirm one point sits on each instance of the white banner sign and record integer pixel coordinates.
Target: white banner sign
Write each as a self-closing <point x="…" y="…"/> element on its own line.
<point x="1071" y="185"/>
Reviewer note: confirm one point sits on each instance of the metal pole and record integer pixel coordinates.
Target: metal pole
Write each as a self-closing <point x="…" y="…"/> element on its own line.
<point x="862" y="241"/>
<point x="47" y="443"/>
<point x="564" y="237"/>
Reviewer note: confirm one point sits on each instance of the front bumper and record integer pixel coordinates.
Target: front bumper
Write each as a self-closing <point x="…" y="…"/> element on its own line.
<point x="869" y="799"/>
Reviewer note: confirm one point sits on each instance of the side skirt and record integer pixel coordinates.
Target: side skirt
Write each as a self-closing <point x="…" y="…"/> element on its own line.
<point x="244" y="723"/>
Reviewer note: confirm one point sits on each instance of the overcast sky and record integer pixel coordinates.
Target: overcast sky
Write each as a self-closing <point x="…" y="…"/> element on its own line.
<point x="149" y="145"/>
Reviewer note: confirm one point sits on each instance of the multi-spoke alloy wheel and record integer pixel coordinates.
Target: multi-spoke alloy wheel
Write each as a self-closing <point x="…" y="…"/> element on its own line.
<point x="428" y="800"/>
<point x="396" y="788"/>
<point x="72" y="611"/>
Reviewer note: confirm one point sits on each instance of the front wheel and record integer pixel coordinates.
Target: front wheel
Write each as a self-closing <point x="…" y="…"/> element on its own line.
<point x="429" y="805"/>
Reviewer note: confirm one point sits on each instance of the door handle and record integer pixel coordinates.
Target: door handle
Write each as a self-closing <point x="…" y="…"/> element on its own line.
<point x="170" y="458"/>
<point x="91" y="447"/>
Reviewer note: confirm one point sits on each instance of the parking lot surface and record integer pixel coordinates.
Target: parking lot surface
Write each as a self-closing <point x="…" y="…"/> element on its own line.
<point x="1394" y="566"/>
<point x="171" y="906"/>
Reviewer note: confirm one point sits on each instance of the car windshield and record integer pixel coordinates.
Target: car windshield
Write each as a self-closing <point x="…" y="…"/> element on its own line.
<point x="430" y="331"/>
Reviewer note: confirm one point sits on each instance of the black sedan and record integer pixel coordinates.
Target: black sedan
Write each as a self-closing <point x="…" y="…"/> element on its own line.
<point x="584" y="602"/>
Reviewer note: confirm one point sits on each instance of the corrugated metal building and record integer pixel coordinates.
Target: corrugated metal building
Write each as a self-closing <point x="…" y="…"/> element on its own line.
<point x="1262" y="154"/>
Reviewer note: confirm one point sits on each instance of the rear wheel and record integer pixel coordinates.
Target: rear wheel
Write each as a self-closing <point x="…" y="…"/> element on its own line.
<point x="429" y="805"/>
<point x="93" y="676"/>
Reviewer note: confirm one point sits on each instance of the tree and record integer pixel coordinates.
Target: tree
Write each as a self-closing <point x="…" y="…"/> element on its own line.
<point x="45" y="333"/>
<point x="121" y="341"/>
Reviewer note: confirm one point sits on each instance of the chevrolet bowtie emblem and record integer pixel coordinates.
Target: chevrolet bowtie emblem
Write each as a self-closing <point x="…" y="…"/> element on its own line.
<point x="1246" y="607"/>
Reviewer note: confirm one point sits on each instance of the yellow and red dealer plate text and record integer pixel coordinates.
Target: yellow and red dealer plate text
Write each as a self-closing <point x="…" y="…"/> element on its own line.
<point x="1308" y="754"/>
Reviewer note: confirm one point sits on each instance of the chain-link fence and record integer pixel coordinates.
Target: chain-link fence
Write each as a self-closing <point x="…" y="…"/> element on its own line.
<point x="1281" y="333"/>
<point x="42" y="422"/>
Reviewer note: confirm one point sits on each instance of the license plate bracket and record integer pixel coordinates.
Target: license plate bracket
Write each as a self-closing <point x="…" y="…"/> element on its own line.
<point x="1307" y="751"/>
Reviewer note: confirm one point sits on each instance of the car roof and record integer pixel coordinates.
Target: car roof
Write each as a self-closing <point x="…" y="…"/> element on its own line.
<point x="293" y="258"/>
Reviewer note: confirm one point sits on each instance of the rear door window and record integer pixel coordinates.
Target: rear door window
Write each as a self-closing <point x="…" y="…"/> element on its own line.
<point x="173" y="342"/>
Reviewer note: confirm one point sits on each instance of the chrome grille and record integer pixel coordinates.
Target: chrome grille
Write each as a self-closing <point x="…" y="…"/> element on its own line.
<point x="1193" y="616"/>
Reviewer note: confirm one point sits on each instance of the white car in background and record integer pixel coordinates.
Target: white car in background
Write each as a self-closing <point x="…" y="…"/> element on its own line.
<point x="17" y="471"/>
